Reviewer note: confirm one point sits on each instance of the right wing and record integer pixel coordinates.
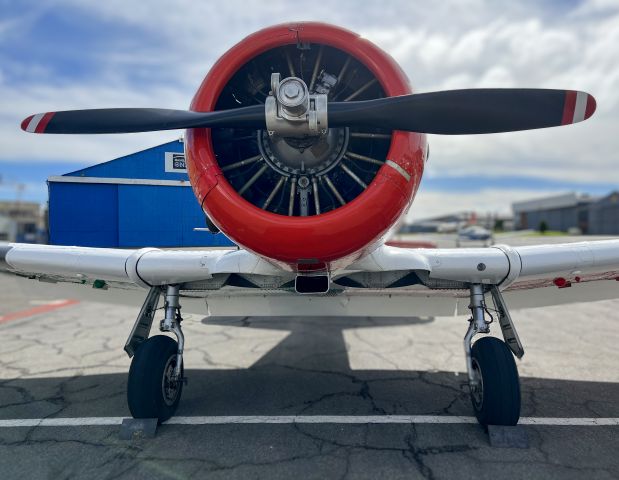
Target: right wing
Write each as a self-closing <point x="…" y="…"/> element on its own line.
<point x="111" y="267"/>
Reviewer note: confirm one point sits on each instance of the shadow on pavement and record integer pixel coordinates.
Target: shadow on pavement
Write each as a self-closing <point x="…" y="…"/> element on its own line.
<point x="306" y="373"/>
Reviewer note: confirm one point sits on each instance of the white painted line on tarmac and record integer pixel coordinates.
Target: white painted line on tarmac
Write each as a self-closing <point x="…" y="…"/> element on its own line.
<point x="47" y="302"/>
<point x="579" y="422"/>
<point x="314" y="419"/>
<point x="354" y="419"/>
<point x="61" y="422"/>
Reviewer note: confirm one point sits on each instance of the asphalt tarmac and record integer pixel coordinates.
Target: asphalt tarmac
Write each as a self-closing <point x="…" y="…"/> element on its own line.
<point x="64" y="360"/>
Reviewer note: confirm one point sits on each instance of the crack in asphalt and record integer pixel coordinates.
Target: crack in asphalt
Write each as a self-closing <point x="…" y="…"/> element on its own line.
<point x="314" y="356"/>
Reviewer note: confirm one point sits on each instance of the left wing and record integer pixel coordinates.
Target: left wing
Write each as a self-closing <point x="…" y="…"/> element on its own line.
<point x="592" y="268"/>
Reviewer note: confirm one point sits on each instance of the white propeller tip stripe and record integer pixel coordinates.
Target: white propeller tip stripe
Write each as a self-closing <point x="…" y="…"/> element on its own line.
<point x="34" y="122"/>
<point x="581" y="107"/>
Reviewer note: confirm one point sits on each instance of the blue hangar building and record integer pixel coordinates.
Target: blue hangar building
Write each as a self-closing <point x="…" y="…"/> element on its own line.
<point x="139" y="200"/>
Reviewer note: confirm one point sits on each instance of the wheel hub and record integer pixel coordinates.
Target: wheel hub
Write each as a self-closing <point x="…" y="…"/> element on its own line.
<point x="170" y="383"/>
<point x="477" y="387"/>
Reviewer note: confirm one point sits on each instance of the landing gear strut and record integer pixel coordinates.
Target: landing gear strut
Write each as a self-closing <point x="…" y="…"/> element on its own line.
<point x="492" y="372"/>
<point x="156" y="375"/>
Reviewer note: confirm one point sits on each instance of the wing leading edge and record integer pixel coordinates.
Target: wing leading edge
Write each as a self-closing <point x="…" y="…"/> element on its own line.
<point x="144" y="267"/>
<point x="501" y="265"/>
<point x="591" y="267"/>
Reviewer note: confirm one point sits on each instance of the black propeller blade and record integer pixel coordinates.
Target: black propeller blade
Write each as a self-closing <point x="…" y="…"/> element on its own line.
<point x="472" y="111"/>
<point x="130" y="120"/>
<point x="455" y="112"/>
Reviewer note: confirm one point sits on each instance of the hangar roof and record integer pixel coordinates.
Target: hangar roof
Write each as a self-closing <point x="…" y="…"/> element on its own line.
<point x="145" y="164"/>
<point x="550" y="203"/>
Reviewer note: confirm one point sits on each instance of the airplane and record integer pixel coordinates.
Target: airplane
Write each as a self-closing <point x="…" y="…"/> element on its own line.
<point x="474" y="233"/>
<point x="306" y="146"/>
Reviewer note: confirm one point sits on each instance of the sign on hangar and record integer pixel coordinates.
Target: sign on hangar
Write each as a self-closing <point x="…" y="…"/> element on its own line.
<point x="139" y="200"/>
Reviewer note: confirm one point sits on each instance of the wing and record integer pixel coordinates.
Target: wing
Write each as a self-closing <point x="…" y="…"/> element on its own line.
<point x="104" y="268"/>
<point x="531" y="276"/>
<point x="426" y="281"/>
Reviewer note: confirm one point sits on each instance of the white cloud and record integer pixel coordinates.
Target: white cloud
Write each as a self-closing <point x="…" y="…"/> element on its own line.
<point x="17" y="103"/>
<point x="442" y="45"/>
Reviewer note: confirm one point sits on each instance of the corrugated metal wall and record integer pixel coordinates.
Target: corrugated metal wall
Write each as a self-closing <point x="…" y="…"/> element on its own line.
<point x="83" y="214"/>
<point x="119" y="214"/>
<point x="164" y="215"/>
<point x="599" y="217"/>
<point x="560" y="219"/>
<point x="604" y="215"/>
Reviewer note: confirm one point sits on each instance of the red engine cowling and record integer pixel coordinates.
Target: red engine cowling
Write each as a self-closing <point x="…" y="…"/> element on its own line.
<point x="304" y="204"/>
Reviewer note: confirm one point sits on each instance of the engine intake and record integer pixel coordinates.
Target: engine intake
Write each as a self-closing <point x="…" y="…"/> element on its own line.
<point x="290" y="198"/>
<point x="298" y="166"/>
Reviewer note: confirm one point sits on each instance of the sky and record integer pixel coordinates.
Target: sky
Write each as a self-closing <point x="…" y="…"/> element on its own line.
<point x="70" y="54"/>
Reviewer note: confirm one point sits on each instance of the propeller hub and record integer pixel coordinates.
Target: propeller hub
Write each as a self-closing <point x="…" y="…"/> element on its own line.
<point x="291" y="111"/>
<point x="292" y="94"/>
<point x="291" y="156"/>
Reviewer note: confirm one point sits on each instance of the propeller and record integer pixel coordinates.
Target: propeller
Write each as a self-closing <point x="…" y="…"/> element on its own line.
<point x="452" y="112"/>
<point x="473" y="111"/>
<point x="131" y="120"/>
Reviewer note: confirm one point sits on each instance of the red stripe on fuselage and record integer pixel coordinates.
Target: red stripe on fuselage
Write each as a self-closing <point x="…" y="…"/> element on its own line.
<point x="44" y="121"/>
<point x="568" y="107"/>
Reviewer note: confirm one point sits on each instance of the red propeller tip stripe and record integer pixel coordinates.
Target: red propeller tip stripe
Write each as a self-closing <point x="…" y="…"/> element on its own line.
<point x="591" y="106"/>
<point x="37" y="123"/>
<point x="578" y="107"/>
<point x="24" y="124"/>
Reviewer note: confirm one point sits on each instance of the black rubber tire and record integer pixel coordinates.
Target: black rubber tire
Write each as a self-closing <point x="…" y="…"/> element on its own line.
<point x="500" y="396"/>
<point x="145" y="394"/>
